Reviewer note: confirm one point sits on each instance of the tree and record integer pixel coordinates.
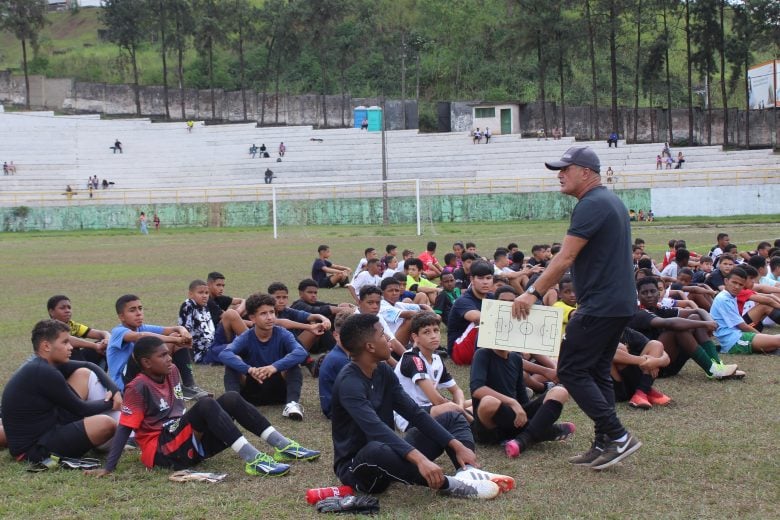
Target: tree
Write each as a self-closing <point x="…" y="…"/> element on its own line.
<point x="25" y="19"/>
<point x="614" y="23"/>
<point x="244" y="19"/>
<point x="637" y="65"/>
<point x="666" y="12"/>
<point x="705" y="33"/>
<point x="127" y="24"/>
<point x="738" y="51"/>
<point x="209" y="27"/>
<point x="159" y="10"/>
<point x="592" y="54"/>
<point x="689" y="62"/>
<point x="180" y="13"/>
<point x="722" y="51"/>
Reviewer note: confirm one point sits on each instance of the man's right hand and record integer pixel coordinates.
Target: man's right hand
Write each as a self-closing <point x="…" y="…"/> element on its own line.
<point x="431" y="472"/>
<point x="520" y="416"/>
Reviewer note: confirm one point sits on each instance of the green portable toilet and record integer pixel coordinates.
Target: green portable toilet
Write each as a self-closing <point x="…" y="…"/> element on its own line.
<point x="374" y="119"/>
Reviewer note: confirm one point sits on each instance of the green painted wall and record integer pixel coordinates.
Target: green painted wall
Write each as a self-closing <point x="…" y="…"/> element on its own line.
<point x="440" y="208"/>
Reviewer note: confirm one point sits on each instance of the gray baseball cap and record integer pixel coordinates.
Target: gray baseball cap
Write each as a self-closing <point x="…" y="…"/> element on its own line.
<point x="579" y="155"/>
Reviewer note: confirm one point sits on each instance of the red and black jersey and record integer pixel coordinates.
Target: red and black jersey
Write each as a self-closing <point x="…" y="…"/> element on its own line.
<point x="151" y="407"/>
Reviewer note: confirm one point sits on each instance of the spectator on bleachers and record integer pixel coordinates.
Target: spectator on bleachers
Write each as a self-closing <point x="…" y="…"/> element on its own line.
<point x="540" y="134"/>
<point x="364" y="124"/>
<point x="262" y="149"/>
<point x="659" y="162"/>
<point x="282" y="149"/>
<point x="669" y="162"/>
<point x="190" y="124"/>
<point x="680" y="160"/>
<point x="610" y="175"/>
<point x="488" y="135"/>
<point x="269" y="176"/>
<point x="253" y="150"/>
<point x="12" y="168"/>
<point x="156" y="221"/>
<point x="5" y="168"/>
<point x="117" y="146"/>
<point x="666" y="151"/>
<point x="612" y="139"/>
<point x="476" y="136"/>
<point x="105" y="184"/>
<point x="557" y="133"/>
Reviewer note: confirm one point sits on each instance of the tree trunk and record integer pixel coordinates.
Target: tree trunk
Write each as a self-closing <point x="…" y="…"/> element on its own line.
<point x="403" y="81"/>
<point x="211" y="81"/>
<point x="135" y="81"/>
<point x="613" y="15"/>
<point x="164" y="50"/>
<point x="636" y="67"/>
<point x="26" y="75"/>
<point x="668" y="81"/>
<point x="723" y="92"/>
<point x="324" y="73"/>
<point x="276" y="92"/>
<point x="747" y="102"/>
<point x="592" y="52"/>
<point x="180" y="69"/>
<point x="417" y="87"/>
<point x="690" y="70"/>
<point x="542" y="67"/>
<point x="709" y="106"/>
<point x="241" y="65"/>
<point x="562" y="83"/>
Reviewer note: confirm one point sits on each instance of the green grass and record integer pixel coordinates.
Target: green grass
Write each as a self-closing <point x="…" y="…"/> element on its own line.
<point x="711" y="454"/>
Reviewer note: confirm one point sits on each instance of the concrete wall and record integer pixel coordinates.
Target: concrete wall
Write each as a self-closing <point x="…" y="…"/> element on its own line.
<point x="445" y="208"/>
<point x="734" y="200"/>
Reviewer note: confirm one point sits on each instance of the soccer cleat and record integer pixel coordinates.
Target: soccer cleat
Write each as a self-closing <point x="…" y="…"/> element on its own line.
<point x="587" y="458"/>
<point x="615" y="451"/>
<point x="512" y="448"/>
<point x="658" y="398"/>
<point x="265" y="466"/>
<point x="504" y="482"/>
<point x="484" y="489"/>
<point x="563" y="431"/>
<point x="293" y="411"/>
<point x="640" y="401"/>
<point x="721" y="371"/>
<point x="738" y="374"/>
<point x="295" y="451"/>
<point x="193" y="393"/>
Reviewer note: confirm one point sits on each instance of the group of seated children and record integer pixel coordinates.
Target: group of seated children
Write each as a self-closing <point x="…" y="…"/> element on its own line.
<point x="383" y="367"/>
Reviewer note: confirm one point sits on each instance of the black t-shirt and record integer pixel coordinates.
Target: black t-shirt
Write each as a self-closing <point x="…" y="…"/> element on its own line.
<point x="461" y="278"/>
<point x="317" y="274"/>
<point x="318" y="308"/>
<point x="635" y="341"/>
<point x="217" y="306"/>
<point x="505" y="376"/>
<point x="457" y="323"/>
<point x="715" y="280"/>
<point x="37" y="398"/>
<point x="642" y="319"/>
<point x="603" y="270"/>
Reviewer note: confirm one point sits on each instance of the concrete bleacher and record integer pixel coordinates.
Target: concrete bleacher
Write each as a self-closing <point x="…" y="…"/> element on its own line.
<point x="51" y="152"/>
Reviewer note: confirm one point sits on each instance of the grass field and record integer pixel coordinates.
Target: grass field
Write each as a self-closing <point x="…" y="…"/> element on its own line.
<point x="712" y="453"/>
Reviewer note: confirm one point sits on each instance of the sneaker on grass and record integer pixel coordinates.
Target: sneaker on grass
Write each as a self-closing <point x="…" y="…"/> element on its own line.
<point x="484" y="489"/>
<point x="615" y="451"/>
<point x="466" y="473"/>
<point x="295" y="451"/>
<point x="265" y="466"/>
<point x="193" y="393"/>
<point x="587" y="458"/>
<point x="722" y="371"/>
<point x="640" y="401"/>
<point x="293" y="411"/>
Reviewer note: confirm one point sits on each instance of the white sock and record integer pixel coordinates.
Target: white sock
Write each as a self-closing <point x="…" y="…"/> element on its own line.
<point x="240" y="443"/>
<point x="624" y="438"/>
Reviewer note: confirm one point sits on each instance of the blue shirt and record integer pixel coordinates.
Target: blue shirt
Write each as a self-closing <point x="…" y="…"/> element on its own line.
<point x="295" y="315"/>
<point x="334" y="361"/>
<point x="726" y="314"/>
<point x="281" y="350"/>
<point x="119" y="351"/>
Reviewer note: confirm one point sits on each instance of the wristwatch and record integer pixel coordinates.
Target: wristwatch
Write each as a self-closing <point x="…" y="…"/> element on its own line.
<point x="532" y="290"/>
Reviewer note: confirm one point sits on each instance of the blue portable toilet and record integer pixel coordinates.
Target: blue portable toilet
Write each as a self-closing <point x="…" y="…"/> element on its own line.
<point x="360" y="114"/>
<point x="374" y="119"/>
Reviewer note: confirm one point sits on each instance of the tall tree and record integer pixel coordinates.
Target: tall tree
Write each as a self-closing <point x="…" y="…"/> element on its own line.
<point x="592" y="54"/>
<point x="722" y="52"/>
<point x="210" y="31"/>
<point x="738" y="51"/>
<point x="159" y="9"/>
<point x="180" y="13"/>
<point x="126" y="22"/>
<point x="705" y="33"/>
<point x="689" y="62"/>
<point x="25" y="19"/>
<point x="561" y="28"/>
<point x="614" y="8"/>
<point x="243" y="20"/>
<point x="637" y="64"/>
<point x="666" y="13"/>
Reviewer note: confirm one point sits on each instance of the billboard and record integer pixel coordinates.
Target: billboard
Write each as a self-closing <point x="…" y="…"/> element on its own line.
<point x="763" y="85"/>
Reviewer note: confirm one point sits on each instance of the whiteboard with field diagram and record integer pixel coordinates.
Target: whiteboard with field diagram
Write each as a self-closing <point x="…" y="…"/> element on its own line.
<point x="540" y="333"/>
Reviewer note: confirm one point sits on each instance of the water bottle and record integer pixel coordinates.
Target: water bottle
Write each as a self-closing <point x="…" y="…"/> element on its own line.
<point x="316" y="494"/>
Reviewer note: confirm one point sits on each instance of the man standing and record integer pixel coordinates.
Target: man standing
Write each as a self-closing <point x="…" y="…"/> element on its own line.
<point x="599" y="229"/>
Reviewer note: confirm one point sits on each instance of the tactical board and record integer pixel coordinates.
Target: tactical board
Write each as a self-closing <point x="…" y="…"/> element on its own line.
<point x="540" y="333"/>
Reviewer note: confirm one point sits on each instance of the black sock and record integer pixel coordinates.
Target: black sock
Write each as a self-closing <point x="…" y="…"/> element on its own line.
<point x="539" y="425"/>
<point x="775" y="316"/>
<point x="504" y="419"/>
<point x="645" y="383"/>
<point x="183" y="361"/>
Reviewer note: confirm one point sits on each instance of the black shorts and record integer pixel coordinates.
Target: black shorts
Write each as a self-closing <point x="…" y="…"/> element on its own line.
<point x="272" y="391"/>
<point x="325" y="283"/>
<point x="484" y="435"/>
<point x="66" y="440"/>
<point x="177" y="447"/>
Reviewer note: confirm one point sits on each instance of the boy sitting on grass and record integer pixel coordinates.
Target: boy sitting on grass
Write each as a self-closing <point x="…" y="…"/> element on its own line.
<point x="326" y="273"/>
<point x="332" y="364"/>
<point x="122" y="366"/>
<point x="60" y="309"/>
<point x="170" y="438"/>
<point x="417" y="283"/>
<point x="369" y="455"/>
<point x="734" y="335"/>
<point x="635" y="367"/>
<point x="311" y="330"/>
<point x="446" y="298"/>
<point x="422" y="373"/>
<point x="503" y="414"/>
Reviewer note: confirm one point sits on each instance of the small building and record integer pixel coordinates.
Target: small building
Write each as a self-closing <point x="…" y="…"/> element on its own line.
<point x="501" y="118"/>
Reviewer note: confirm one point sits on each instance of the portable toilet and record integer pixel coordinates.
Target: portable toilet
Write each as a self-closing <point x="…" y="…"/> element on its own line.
<point x="374" y="119"/>
<point x="361" y="114"/>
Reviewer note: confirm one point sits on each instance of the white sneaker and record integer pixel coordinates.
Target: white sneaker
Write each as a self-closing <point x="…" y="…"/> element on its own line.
<point x="721" y="371"/>
<point x="484" y="489"/>
<point x="467" y="473"/>
<point x="293" y="410"/>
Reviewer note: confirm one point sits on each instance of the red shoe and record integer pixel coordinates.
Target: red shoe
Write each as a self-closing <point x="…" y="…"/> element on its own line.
<point x="658" y="398"/>
<point x="639" y="400"/>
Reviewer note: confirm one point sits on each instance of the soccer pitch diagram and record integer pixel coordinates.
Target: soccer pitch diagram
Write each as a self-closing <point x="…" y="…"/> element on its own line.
<point x="540" y="333"/>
